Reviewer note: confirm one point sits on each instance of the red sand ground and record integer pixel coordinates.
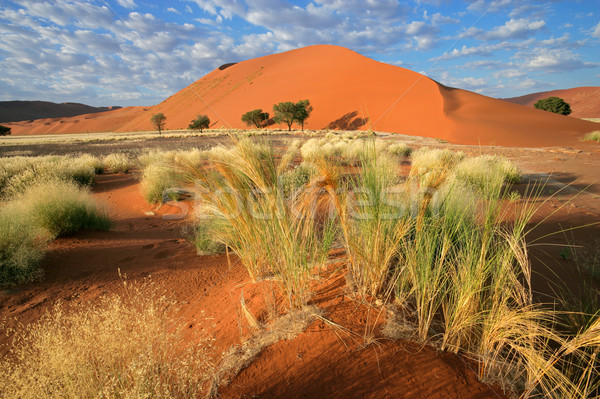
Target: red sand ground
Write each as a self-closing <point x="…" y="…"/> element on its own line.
<point x="322" y="361"/>
<point x="584" y="101"/>
<point x="316" y="363"/>
<point x="347" y="91"/>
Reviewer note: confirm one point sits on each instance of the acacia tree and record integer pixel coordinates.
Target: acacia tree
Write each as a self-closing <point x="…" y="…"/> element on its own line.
<point x="303" y="110"/>
<point x="288" y="112"/>
<point x="285" y="113"/>
<point x="200" y="123"/>
<point x="4" y="130"/>
<point x="256" y="117"/>
<point x="553" y="104"/>
<point x="158" y="121"/>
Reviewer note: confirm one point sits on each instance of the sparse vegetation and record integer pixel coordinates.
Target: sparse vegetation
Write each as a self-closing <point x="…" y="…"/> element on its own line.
<point x="117" y="163"/>
<point x="256" y="118"/>
<point x="158" y="121"/>
<point x="200" y="123"/>
<point x="128" y="344"/>
<point x="553" y="104"/>
<point x="593" y="136"/>
<point x="4" y="130"/>
<point x="19" y="173"/>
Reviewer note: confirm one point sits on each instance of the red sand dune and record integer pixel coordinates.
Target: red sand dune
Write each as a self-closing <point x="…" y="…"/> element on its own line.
<point x="584" y="101"/>
<point x="349" y="91"/>
<point x="107" y="121"/>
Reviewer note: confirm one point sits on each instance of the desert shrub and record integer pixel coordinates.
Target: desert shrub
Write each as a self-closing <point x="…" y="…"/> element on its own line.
<point x="399" y="149"/>
<point x="117" y="163"/>
<point x="21" y="246"/>
<point x="553" y="104"/>
<point x="62" y="208"/>
<point x="593" y="136"/>
<point x="121" y="345"/>
<point x="4" y="130"/>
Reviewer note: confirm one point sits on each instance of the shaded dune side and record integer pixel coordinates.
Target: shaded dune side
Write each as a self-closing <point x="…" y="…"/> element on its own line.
<point x="584" y="101"/>
<point x="477" y="119"/>
<point x="107" y="121"/>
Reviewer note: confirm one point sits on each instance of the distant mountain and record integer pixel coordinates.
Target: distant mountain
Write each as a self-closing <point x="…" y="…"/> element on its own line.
<point x="584" y="101"/>
<point x="14" y="111"/>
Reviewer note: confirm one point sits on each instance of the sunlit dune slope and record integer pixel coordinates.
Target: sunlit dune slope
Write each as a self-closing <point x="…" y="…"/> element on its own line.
<point x="349" y="91"/>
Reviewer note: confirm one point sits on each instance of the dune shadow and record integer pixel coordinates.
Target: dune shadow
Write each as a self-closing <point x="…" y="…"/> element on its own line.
<point x="349" y="121"/>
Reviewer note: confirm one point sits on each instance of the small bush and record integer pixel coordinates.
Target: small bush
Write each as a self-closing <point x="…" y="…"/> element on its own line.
<point x="486" y="171"/>
<point x="553" y="104"/>
<point x="593" y="136"/>
<point x="203" y="240"/>
<point x="118" y="346"/>
<point x="117" y="163"/>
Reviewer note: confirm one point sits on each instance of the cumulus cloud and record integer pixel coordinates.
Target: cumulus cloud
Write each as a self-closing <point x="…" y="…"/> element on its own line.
<point x="552" y="60"/>
<point x="512" y="29"/>
<point x="596" y="31"/>
<point x="126" y="3"/>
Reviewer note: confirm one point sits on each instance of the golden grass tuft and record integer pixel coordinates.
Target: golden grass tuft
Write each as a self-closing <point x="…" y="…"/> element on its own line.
<point x="127" y="344"/>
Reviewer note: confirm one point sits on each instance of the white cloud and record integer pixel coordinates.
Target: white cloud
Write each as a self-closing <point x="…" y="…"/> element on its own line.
<point x="553" y="60"/>
<point x="126" y="3"/>
<point x="173" y="10"/>
<point x="512" y="29"/>
<point x="596" y="31"/>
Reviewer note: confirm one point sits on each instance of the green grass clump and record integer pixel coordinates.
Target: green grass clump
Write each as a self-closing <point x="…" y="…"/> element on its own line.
<point x="122" y="345"/>
<point x="62" y="208"/>
<point x="117" y="163"/>
<point x="43" y="212"/>
<point x="22" y="247"/>
<point x="485" y="172"/>
<point x="249" y="213"/>
<point x="593" y="136"/>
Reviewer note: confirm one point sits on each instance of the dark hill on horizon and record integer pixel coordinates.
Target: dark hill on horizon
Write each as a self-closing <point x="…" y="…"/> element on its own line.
<point x="15" y="111"/>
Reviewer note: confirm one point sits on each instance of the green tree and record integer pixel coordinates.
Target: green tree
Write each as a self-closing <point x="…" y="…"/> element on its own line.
<point x="288" y="112"/>
<point x="4" y="130"/>
<point x="158" y="121"/>
<point x="554" y="104"/>
<point x="285" y="113"/>
<point x="200" y="123"/>
<point x="256" y="117"/>
<point x="303" y="110"/>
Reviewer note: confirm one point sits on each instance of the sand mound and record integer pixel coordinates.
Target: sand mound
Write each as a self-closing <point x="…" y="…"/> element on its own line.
<point x="347" y="91"/>
<point x="584" y="101"/>
<point x="107" y="121"/>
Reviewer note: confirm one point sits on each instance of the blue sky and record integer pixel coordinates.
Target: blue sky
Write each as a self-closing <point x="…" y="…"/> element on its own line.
<point x="137" y="52"/>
